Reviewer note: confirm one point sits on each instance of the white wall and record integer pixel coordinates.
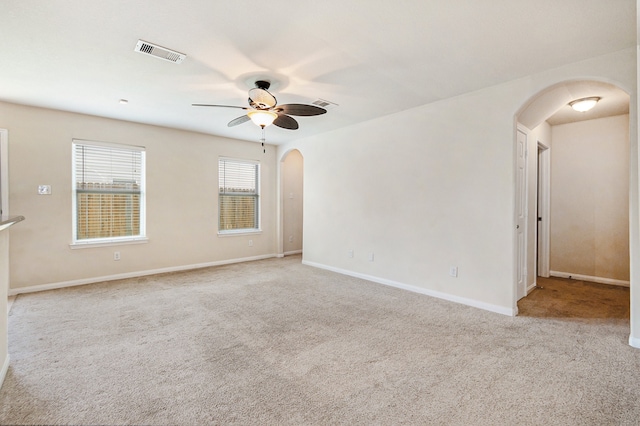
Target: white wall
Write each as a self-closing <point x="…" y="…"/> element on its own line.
<point x="431" y="188"/>
<point x="182" y="199"/>
<point x="590" y="199"/>
<point x="292" y="193"/>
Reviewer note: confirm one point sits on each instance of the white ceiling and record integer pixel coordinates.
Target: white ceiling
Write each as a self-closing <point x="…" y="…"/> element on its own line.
<point x="371" y="58"/>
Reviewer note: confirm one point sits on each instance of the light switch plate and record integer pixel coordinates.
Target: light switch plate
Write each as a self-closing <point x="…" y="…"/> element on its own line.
<point x="44" y="189"/>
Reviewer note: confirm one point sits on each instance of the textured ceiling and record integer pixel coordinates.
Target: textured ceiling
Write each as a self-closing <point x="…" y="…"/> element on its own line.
<point x="371" y="58"/>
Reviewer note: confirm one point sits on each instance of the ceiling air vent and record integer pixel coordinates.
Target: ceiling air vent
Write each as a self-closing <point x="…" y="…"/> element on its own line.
<point x="324" y="104"/>
<point x="159" y="52"/>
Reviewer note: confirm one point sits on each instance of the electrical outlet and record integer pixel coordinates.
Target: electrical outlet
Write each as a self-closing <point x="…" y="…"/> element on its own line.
<point x="250" y="243"/>
<point x="116" y="255"/>
<point x="290" y="238"/>
<point x="44" y="189"/>
<point x="371" y="257"/>
<point x="350" y="253"/>
<point x="453" y="271"/>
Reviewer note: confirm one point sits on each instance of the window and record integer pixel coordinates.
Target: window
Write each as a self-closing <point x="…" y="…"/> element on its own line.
<point x="108" y="193"/>
<point x="239" y="185"/>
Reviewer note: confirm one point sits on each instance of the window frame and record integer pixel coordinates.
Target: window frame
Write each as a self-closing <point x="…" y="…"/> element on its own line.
<point x="258" y="203"/>
<point x="141" y="237"/>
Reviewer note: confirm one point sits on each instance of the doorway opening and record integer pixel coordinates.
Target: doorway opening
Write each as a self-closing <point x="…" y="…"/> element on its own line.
<point x="292" y="201"/>
<point x="542" y="209"/>
<point x="576" y="192"/>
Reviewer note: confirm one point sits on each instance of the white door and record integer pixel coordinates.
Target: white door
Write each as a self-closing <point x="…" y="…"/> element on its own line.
<point x="521" y="215"/>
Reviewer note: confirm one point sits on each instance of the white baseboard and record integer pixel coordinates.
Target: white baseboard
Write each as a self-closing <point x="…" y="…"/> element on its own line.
<point x="531" y="288"/>
<point x="634" y="342"/>
<point x="3" y="372"/>
<point x="449" y="297"/>
<point x="93" y="280"/>
<point x="598" y="280"/>
<point x="290" y="253"/>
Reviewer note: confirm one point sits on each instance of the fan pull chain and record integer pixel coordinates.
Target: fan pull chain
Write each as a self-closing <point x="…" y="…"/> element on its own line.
<point x="264" y="151"/>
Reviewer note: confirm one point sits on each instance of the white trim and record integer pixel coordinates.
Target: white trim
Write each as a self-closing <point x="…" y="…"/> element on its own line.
<point x="449" y="297"/>
<point x="531" y="288"/>
<point x="93" y="280"/>
<point x="634" y="342"/>
<point x="289" y="253"/>
<point x="105" y="242"/>
<point x="599" y="280"/>
<point x="113" y="145"/>
<point x="5" y="368"/>
<point x="239" y="232"/>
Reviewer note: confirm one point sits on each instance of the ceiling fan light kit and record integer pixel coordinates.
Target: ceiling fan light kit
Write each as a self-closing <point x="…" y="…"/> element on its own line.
<point x="584" y="104"/>
<point x="262" y="118"/>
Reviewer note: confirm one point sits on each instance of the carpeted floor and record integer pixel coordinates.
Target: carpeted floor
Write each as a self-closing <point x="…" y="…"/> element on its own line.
<point x="277" y="342"/>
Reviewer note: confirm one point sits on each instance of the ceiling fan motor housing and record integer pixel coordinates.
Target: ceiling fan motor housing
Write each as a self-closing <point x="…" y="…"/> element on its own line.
<point x="263" y="84"/>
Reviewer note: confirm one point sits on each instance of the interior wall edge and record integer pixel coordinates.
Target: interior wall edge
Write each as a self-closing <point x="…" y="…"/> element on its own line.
<point x="94" y="280"/>
<point x="599" y="280"/>
<point x="414" y="289"/>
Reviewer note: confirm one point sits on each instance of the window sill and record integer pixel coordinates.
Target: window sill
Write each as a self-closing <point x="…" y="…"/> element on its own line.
<point x="239" y="232"/>
<point x="92" y="244"/>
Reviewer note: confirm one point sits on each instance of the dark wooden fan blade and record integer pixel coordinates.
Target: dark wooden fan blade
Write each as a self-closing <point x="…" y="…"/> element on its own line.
<point x="239" y="120"/>
<point x="286" y="122"/>
<point x="301" y="109"/>
<point x="219" y="106"/>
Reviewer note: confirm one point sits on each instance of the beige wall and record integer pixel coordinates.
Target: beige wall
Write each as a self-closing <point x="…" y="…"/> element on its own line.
<point x="590" y="198"/>
<point x="182" y="198"/>
<point x="431" y="188"/>
<point x="292" y="193"/>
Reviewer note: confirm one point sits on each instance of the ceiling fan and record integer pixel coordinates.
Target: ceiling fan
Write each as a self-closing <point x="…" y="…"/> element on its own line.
<point x="263" y="109"/>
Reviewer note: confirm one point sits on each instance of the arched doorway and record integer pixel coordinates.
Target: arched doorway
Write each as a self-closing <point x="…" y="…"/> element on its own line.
<point x="575" y="214"/>
<point x="292" y="187"/>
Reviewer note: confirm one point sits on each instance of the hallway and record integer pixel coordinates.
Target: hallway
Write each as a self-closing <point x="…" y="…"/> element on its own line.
<point x="566" y="298"/>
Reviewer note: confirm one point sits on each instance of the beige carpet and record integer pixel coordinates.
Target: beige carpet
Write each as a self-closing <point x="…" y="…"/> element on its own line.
<point x="277" y="342"/>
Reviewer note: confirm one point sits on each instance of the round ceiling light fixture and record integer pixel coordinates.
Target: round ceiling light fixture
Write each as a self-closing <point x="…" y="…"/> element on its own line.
<point x="261" y="117"/>
<point x="584" y="104"/>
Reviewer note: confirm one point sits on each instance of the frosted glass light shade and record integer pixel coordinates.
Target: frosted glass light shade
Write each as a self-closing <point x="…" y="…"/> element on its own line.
<point x="262" y="118"/>
<point x="584" y="104"/>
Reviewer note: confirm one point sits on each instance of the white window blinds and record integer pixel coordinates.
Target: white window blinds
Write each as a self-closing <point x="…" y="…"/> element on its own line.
<point x="108" y="191"/>
<point x="238" y="195"/>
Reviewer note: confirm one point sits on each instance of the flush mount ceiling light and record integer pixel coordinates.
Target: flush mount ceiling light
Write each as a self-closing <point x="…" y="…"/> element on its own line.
<point x="584" y="104"/>
<point x="261" y="117"/>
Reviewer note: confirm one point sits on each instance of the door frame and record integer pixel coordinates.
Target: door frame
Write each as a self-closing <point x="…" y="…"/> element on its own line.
<point x="4" y="172"/>
<point x="543" y="209"/>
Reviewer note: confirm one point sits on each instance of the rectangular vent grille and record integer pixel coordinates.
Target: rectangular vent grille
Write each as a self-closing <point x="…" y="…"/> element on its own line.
<point x="324" y="104"/>
<point x="159" y="52"/>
